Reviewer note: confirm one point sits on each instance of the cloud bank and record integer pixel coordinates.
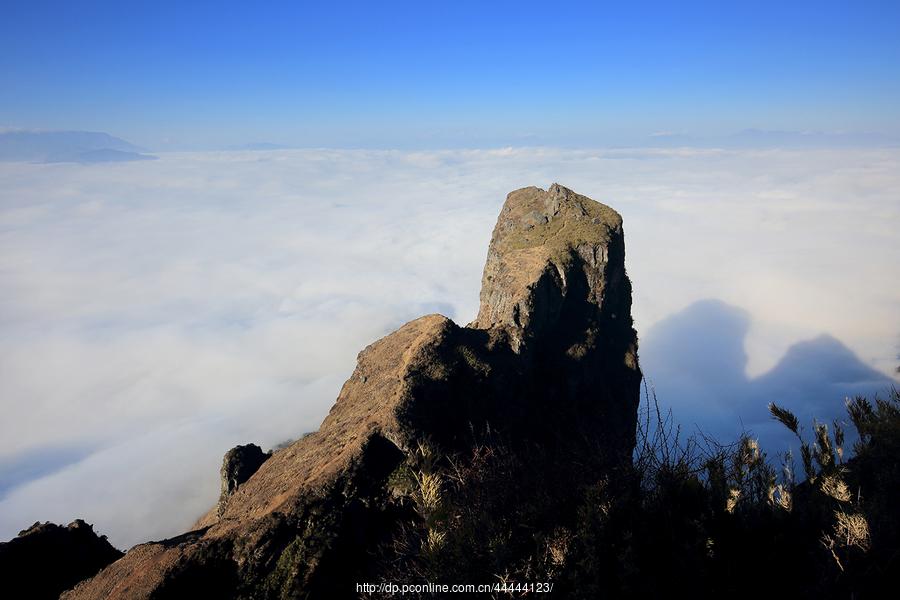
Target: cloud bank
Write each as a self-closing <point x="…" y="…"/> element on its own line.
<point x="154" y="314"/>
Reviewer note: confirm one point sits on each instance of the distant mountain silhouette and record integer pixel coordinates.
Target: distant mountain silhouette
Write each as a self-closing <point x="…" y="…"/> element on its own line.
<point x="67" y="146"/>
<point x="100" y="156"/>
<point x="696" y="361"/>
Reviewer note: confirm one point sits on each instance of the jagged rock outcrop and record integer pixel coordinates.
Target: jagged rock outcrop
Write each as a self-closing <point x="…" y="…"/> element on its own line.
<point x="238" y="465"/>
<point x="548" y="371"/>
<point x="548" y="247"/>
<point x="47" y="559"/>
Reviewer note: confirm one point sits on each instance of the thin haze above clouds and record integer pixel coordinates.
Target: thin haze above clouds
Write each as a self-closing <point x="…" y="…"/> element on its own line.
<point x="154" y="314"/>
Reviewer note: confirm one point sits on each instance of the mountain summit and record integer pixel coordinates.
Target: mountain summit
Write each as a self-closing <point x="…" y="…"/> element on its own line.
<point x="441" y="431"/>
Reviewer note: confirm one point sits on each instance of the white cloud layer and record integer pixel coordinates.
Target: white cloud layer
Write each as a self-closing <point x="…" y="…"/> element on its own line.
<point x="154" y="314"/>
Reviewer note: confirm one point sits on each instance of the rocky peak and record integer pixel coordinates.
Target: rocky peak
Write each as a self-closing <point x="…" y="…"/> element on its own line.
<point x="238" y="465"/>
<point x="546" y="375"/>
<point x="548" y="246"/>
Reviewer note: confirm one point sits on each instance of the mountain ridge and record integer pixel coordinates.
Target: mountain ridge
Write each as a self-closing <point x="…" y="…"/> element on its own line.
<point x="549" y="367"/>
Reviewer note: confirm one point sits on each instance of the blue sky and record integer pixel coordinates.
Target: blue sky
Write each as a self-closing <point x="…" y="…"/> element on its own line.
<point x="429" y="74"/>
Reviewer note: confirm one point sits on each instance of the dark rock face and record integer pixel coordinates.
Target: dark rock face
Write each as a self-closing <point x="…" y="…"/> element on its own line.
<point x="548" y="372"/>
<point x="46" y="559"/>
<point x="238" y="465"/>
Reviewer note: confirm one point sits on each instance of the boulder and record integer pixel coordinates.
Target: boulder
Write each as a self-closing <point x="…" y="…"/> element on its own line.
<point x="238" y="465"/>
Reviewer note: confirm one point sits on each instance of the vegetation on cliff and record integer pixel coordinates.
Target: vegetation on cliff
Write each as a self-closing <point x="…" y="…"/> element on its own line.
<point x="690" y="517"/>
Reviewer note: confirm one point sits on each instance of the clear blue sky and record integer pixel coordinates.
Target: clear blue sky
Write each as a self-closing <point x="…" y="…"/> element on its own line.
<point x="395" y="74"/>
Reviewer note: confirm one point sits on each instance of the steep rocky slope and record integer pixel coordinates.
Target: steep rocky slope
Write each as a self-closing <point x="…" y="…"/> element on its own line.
<point x="548" y="371"/>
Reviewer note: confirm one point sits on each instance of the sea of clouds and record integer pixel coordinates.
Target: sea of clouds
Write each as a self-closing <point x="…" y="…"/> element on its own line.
<point x="154" y="314"/>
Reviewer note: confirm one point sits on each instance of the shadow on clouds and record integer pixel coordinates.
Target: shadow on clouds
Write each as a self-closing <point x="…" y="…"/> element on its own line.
<point x="695" y="362"/>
